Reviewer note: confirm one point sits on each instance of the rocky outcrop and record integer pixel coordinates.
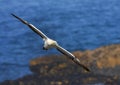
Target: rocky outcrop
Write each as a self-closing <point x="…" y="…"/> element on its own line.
<point x="104" y="63"/>
<point x="104" y="60"/>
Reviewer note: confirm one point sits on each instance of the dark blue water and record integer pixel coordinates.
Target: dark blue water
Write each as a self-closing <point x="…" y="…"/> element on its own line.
<point x="75" y="24"/>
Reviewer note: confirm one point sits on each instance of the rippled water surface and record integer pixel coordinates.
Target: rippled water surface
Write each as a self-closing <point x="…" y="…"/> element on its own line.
<point x="75" y="24"/>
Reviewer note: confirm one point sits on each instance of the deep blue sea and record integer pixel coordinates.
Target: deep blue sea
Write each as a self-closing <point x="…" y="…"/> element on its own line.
<point x="75" y="24"/>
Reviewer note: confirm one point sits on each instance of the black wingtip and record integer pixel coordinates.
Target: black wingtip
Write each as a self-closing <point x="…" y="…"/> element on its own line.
<point x="87" y="69"/>
<point x="83" y="66"/>
<point x="12" y="14"/>
<point x="23" y="21"/>
<point x="15" y="16"/>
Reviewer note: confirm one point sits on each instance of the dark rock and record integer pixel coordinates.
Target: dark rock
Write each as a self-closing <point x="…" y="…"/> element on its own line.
<point x="104" y="60"/>
<point x="104" y="63"/>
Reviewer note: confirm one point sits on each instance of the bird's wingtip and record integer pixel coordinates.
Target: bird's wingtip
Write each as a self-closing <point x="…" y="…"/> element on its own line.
<point x="23" y="21"/>
<point x="13" y="15"/>
<point x="88" y="70"/>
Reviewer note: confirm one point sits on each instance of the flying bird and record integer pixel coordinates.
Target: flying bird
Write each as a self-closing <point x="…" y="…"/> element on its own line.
<point x="50" y="43"/>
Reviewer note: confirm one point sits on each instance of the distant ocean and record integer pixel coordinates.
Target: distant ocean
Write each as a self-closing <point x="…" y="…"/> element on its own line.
<point x="75" y="24"/>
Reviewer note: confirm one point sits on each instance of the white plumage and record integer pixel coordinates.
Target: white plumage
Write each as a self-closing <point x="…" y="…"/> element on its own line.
<point x="49" y="43"/>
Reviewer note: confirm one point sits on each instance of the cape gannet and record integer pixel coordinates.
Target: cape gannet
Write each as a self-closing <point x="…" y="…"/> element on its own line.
<point x="49" y="43"/>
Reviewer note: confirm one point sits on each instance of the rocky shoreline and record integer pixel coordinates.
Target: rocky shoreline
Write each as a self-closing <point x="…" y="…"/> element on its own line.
<point x="104" y="63"/>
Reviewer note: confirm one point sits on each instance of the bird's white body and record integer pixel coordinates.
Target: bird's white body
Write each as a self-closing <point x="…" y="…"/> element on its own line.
<point x="49" y="43"/>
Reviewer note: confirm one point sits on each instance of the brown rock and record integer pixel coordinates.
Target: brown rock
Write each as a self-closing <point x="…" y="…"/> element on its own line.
<point x="105" y="60"/>
<point x="104" y="63"/>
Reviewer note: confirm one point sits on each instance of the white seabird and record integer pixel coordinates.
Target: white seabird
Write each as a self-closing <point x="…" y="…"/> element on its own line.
<point x="49" y="43"/>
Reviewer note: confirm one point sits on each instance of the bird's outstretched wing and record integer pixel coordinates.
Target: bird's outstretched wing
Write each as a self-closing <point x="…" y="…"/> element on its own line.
<point x="31" y="26"/>
<point x="62" y="50"/>
<point x="71" y="56"/>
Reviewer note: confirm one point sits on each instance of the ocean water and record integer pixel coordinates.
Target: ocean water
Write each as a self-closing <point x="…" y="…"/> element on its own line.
<point x="75" y="24"/>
